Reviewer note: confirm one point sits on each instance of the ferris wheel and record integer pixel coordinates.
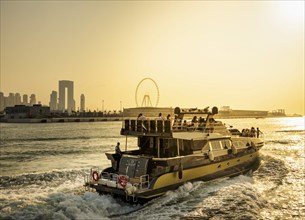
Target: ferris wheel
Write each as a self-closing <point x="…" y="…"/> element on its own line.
<point x="146" y="91"/>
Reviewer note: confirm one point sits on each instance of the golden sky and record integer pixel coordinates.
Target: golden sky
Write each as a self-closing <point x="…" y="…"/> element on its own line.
<point x="243" y="54"/>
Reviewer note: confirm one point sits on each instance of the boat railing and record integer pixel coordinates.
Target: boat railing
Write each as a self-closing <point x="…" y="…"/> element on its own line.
<point x="113" y="180"/>
<point x="166" y="127"/>
<point x="144" y="181"/>
<point x="138" y="127"/>
<point x="211" y="127"/>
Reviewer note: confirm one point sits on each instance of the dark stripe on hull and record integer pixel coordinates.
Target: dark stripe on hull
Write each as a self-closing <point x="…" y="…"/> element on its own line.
<point x="230" y="172"/>
<point x="160" y="185"/>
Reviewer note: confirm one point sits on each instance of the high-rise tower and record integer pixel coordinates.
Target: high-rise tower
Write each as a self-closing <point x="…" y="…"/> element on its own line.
<point x="17" y="99"/>
<point x="11" y="99"/>
<point x="82" y="103"/>
<point x="25" y="99"/>
<point x="32" y="99"/>
<point x="63" y="85"/>
<point x="53" y="101"/>
<point x="1" y="101"/>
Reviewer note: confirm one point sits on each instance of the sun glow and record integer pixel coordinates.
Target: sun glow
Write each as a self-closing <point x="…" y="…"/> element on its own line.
<point x="291" y="11"/>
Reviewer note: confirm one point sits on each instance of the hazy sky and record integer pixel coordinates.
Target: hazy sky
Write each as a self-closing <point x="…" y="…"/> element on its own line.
<point x="243" y="54"/>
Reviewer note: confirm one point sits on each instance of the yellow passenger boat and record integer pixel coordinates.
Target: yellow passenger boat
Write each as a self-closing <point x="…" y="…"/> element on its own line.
<point x="192" y="147"/>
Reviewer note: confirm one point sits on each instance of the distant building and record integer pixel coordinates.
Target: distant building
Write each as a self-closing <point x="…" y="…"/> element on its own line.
<point x="5" y="102"/>
<point x="226" y="111"/>
<point x="25" y="100"/>
<point x="11" y="99"/>
<point x="63" y="85"/>
<point x="278" y="112"/>
<point x="1" y="101"/>
<point x="53" y="101"/>
<point x="32" y="99"/>
<point x="82" y="103"/>
<point x="17" y="99"/>
<point x="22" y="111"/>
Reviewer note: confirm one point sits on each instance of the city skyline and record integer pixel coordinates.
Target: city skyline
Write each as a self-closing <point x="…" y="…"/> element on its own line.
<point x="15" y="99"/>
<point x="247" y="55"/>
<point x="53" y="104"/>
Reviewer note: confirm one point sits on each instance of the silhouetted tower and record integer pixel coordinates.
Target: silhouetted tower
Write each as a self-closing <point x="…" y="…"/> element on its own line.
<point x="53" y="101"/>
<point x="82" y="103"/>
<point x="11" y="99"/>
<point x="17" y="99"/>
<point x="32" y="99"/>
<point x="63" y="85"/>
<point x="25" y="99"/>
<point x="2" y="101"/>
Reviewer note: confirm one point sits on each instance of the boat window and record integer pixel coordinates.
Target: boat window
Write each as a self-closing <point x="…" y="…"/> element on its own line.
<point x="198" y="144"/>
<point x="226" y="144"/>
<point x="167" y="143"/>
<point x="206" y="147"/>
<point x="187" y="144"/>
<point x="146" y="145"/>
<point x="215" y="145"/>
<point x="168" y="147"/>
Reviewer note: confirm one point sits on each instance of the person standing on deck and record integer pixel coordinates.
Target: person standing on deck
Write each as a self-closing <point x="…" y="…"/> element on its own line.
<point x="117" y="149"/>
<point x="257" y="132"/>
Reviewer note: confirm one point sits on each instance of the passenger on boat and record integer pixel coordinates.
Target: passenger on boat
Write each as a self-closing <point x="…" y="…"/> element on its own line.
<point x="246" y="132"/>
<point x="253" y="132"/>
<point x="194" y="120"/>
<point x="184" y="125"/>
<point x="210" y="125"/>
<point x="117" y="149"/>
<point x="160" y="116"/>
<point x="258" y="132"/>
<point x="141" y="117"/>
<point x="177" y="123"/>
<point x="243" y="133"/>
<point x="201" y="123"/>
<point x="168" y="117"/>
<point x="118" y="155"/>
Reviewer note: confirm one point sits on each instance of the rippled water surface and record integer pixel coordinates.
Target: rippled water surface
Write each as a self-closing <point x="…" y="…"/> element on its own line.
<point x="43" y="166"/>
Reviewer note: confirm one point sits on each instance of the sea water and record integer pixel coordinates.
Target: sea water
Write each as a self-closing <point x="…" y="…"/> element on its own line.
<point x="42" y="168"/>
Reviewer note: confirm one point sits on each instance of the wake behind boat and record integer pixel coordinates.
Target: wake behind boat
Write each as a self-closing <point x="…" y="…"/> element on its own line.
<point x="192" y="147"/>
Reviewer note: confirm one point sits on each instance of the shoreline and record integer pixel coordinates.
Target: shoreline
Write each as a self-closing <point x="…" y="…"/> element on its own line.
<point x="61" y="120"/>
<point x="105" y="119"/>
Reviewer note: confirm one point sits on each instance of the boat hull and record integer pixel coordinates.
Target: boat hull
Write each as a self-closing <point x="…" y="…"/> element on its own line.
<point x="172" y="180"/>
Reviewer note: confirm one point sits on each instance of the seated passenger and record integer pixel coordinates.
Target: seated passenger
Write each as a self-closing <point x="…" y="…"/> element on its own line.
<point x="141" y="117"/>
<point x="177" y="123"/>
<point x="160" y="116"/>
<point x="184" y="125"/>
<point x="194" y="120"/>
<point x="253" y="132"/>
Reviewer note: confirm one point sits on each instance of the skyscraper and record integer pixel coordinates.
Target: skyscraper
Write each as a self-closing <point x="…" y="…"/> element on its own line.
<point x="32" y="99"/>
<point x="82" y="103"/>
<point x="25" y="99"/>
<point x="11" y="99"/>
<point x="17" y="99"/>
<point x="53" y="101"/>
<point x="1" y="101"/>
<point x="63" y="85"/>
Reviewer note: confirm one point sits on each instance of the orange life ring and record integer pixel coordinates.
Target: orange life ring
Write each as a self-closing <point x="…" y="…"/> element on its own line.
<point x="95" y="176"/>
<point x="122" y="180"/>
